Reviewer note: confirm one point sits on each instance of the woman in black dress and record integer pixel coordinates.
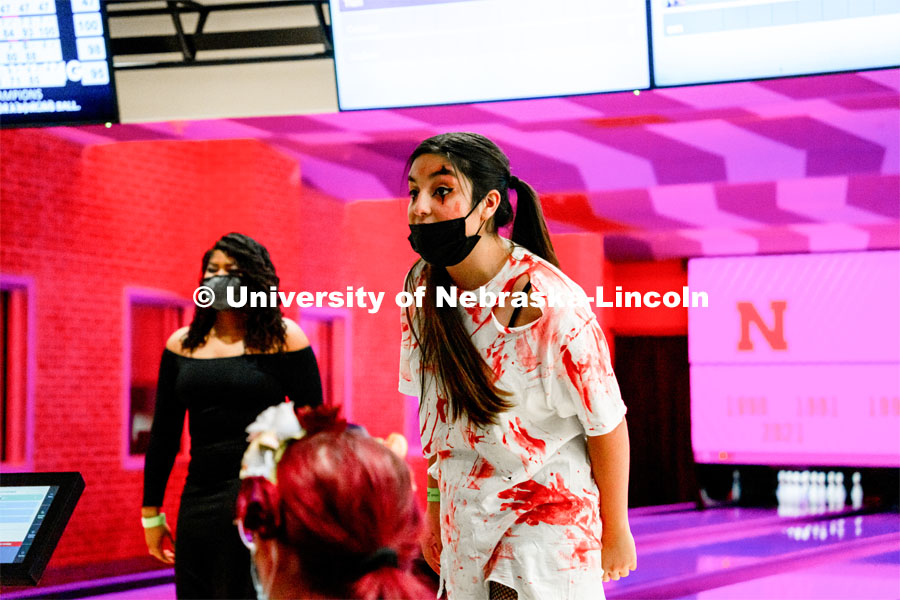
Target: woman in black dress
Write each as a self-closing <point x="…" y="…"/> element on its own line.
<point x="224" y="369"/>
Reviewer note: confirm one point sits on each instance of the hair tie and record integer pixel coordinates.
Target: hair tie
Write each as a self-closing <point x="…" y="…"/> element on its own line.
<point x="513" y="180"/>
<point x="383" y="557"/>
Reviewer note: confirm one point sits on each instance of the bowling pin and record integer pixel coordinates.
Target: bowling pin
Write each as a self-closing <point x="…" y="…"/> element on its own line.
<point x="735" y="486"/>
<point x="830" y="491"/>
<point x="856" y="492"/>
<point x="821" y="492"/>
<point x="803" y="494"/>
<point x="794" y="491"/>
<point x="841" y="495"/>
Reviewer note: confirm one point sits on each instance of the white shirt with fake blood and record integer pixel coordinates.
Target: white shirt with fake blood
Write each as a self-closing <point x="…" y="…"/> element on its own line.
<point x="519" y="504"/>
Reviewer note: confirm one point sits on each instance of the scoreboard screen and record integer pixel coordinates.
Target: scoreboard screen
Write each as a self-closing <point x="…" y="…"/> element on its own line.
<point x="56" y="66"/>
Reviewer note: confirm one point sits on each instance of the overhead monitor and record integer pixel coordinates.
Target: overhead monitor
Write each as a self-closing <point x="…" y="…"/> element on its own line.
<point x="55" y="64"/>
<point x="707" y="41"/>
<point x="796" y="360"/>
<point x="395" y="53"/>
<point x="34" y="511"/>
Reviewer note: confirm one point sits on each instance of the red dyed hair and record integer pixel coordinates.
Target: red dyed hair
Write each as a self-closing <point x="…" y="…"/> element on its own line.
<point x="341" y="496"/>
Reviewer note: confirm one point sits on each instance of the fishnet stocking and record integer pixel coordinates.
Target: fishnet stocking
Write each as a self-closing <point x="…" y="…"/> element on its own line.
<point x="498" y="591"/>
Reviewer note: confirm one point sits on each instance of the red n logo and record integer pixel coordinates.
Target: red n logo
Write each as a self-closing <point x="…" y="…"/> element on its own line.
<point x="774" y="336"/>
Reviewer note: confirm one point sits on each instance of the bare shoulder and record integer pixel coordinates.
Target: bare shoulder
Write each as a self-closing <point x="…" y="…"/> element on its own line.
<point x="294" y="337"/>
<point x="529" y="312"/>
<point x="175" y="340"/>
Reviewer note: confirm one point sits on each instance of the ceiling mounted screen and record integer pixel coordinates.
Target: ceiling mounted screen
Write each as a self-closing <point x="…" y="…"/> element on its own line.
<point x="706" y="41"/>
<point x="393" y="53"/>
<point x="56" y="67"/>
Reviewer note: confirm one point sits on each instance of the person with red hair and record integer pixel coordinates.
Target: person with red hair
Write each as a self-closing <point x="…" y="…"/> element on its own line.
<point x="327" y="511"/>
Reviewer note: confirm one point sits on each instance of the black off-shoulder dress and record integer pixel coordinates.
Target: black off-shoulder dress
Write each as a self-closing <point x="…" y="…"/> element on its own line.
<point x="222" y="396"/>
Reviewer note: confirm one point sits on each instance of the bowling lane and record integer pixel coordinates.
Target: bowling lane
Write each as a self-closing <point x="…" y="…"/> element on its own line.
<point x="672" y="571"/>
<point x="873" y="578"/>
<point x="647" y="524"/>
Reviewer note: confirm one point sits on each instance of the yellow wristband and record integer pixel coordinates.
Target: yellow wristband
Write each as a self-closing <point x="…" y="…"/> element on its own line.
<point x="150" y="522"/>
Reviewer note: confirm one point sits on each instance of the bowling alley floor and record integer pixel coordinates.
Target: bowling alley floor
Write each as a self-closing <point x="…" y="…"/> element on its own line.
<point x="747" y="553"/>
<point x="723" y="553"/>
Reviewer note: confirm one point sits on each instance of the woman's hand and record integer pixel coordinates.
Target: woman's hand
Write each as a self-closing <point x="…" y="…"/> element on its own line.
<point x="618" y="556"/>
<point x="431" y="536"/>
<point x="156" y="538"/>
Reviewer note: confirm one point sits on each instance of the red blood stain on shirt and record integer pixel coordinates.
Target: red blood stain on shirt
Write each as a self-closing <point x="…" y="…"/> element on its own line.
<point x="502" y="550"/>
<point x="426" y="449"/>
<point x="442" y="454"/>
<point x="530" y="444"/>
<point x="525" y="354"/>
<point x="495" y="356"/>
<point x="555" y="504"/>
<point x="474" y="311"/>
<point x="575" y="371"/>
<point x="470" y="436"/>
<point x="482" y="469"/>
<point x="511" y="284"/>
<point x="585" y="548"/>
<point x="535" y="503"/>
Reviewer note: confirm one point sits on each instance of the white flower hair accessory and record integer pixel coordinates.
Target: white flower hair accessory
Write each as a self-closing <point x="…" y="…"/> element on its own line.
<point x="268" y="436"/>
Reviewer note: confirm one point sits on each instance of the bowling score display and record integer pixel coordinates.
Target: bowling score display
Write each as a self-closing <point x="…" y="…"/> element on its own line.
<point x="55" y="64"/>
<point x="35" y="509"/>
<point x="796" y="361"/>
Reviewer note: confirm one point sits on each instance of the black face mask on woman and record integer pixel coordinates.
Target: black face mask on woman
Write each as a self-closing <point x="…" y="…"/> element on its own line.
<point x="219" y="284"/>
<point x="445" y="243"/>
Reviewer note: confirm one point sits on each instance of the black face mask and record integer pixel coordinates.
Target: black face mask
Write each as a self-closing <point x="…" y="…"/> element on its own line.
<point x="219" y="284"/>
<point x="445" y="243"/>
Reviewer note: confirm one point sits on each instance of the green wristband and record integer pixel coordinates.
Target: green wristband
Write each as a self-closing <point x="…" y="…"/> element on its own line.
<point x="434" y="495"/>
<point x="150" y="522"/>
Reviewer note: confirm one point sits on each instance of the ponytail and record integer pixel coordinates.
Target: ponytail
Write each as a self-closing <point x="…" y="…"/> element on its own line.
<point x="529" y="228"/>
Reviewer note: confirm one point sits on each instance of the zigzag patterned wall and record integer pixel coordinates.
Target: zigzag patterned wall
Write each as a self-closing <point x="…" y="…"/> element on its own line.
<point x="792" y="165"/>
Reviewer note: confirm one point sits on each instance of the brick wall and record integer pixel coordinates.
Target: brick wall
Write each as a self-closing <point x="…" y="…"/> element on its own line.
<point x="87" y="222"/>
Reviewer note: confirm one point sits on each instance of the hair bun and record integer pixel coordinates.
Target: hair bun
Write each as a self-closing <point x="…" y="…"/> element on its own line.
<point x="320" y="418"/>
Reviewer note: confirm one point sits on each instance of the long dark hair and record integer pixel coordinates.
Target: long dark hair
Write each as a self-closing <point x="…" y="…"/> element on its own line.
<point x="463" y="377"/>
<point x="265" y="330"/>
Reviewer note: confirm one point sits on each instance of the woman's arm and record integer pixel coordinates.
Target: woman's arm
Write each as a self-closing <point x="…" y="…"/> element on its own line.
<point x="431" y="536"/>
<point x="610" y="463"/>
<point x="165" y="441"/>
<point x="302" y="380"/>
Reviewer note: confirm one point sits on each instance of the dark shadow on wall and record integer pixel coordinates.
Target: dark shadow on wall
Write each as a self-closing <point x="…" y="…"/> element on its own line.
<point x="655" y="381"/>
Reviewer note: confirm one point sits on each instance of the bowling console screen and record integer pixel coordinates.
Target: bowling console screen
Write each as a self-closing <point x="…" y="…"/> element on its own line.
<point x="24" y="510"/>
<point x="34" y="511"/>
<point x="796" y="360"/>
<point x="56" y="67"/>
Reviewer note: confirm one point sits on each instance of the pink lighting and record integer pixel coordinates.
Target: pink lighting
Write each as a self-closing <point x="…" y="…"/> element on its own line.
<point x="796" y="361"/>
<point x="838" y="308"/>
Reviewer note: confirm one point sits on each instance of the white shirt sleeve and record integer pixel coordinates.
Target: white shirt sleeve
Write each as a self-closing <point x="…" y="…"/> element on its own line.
<point x="586" y="385"/>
